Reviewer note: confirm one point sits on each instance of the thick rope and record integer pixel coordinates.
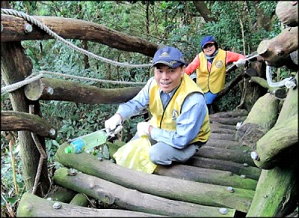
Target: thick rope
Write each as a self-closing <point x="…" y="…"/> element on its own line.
<point x="69" y="44"/>
<point x="17" y="85"/>
<point x="32" y="78"/>
<point x="93" y="79"/>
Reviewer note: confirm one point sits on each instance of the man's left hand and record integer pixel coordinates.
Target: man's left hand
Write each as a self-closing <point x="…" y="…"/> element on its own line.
<point x="143" y="129"/>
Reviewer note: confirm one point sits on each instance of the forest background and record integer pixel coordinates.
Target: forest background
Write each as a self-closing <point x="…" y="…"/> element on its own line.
<point x="238" y="26"/>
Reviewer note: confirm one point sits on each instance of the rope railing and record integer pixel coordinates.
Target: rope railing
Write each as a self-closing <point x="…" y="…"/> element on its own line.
<point x="69" y="44"/>
<point x="33" y="77"/>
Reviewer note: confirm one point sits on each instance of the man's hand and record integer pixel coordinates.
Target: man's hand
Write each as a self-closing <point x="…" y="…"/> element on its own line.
<point x="113" y="125"/>
<point x="143" y="129"/>
<point x="240" y="63"/>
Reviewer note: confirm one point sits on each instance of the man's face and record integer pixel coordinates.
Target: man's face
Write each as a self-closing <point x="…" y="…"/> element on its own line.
<point x="168" y="78"/>
<point x="209" y="49"/>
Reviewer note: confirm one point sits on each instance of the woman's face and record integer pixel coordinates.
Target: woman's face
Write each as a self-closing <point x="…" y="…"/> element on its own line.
<point x="209" y="49"/>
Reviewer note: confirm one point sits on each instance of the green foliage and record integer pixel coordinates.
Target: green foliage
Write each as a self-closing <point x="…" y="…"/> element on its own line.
<point x="175" y="23"/>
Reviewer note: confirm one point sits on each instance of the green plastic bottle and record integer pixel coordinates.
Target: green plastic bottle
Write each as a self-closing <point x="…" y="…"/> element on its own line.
<point x="86" y="142"/>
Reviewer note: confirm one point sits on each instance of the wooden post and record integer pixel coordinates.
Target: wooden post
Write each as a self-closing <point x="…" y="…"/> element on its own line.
<point x="15" y="66"/>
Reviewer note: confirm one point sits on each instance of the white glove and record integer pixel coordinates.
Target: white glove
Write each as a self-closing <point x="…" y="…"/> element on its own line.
<point x="143" y="129"/>
<point x="240" y="62"/>
<point x="113" y="125"/>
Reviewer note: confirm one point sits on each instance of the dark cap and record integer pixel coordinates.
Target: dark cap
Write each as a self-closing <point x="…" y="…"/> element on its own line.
<point x="207" y="39"/>
<point x="169" y="56"/>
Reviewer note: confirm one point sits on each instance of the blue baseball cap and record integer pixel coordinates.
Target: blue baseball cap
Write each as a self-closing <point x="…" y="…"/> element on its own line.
<point x="170" y="56"/>
<point x="207" y="39"/>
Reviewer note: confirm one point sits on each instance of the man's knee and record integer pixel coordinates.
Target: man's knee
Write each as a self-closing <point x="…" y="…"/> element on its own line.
<point x="157" y="157"/>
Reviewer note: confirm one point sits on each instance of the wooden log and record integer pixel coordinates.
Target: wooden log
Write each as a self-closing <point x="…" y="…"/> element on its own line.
<point x="237" y="156"/>
<point x="79" y="200"/>
<point x="287" y="12"/>
<point x="236" y="168"/>
<point x="70" y="28"/>
<point x="222" y="126"/>
<point x="276" y="193"/>
<point x="260" y="120"/>
<point x="290" y="104"/>
<point x="61" y="194"/>
<point x="276" y="50"/>
<point x="57" y="89"/>
<point x="15" y="67"/>
<point x="16" y="121"/>
<point x="223" y="136"/>
<point x="228" y="121"/>
<point x="280" y="138"/>
<point x="215" y="128"/>
<point x="176" y="189"/>
<point x="229" y="114"/>
<point x="33" y="206"/>
<point x="227" y="144"/>
<point x="262" y="82"/>
<point x="212" y="176"/>
<point x="130" y="199"/>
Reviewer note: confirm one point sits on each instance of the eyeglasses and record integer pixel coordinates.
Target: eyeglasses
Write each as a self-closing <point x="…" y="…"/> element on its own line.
<point x="208" y="45"/>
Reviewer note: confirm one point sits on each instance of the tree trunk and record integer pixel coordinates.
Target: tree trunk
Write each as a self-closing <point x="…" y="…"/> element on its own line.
<point x="211" y="176"/>
<point x="177" y="189"/>
<point x="15" y="66"/>
<point x="260" y="120"/>
<point x="130" y="199"/>
<point x="69" y="28"/>
<point x="15" y="121"/>
<point x="202" y="8"/>
<point x="277" y="50"/>
<point x="287" y="12"/>
<point x="57" y="89"/>
<point x="33" y="206"/>
<point x="237" y="168"/>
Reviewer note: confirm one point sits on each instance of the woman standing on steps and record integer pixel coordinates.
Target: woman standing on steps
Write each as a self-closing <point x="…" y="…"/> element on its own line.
<point x="210" y="66"/>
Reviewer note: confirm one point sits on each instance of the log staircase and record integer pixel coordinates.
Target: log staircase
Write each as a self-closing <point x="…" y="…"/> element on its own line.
<point x="220" y="180"/>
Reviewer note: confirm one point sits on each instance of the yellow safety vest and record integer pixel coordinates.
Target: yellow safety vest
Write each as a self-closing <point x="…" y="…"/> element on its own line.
<point x="214" y="79"/>
<point x="166" y="118"/>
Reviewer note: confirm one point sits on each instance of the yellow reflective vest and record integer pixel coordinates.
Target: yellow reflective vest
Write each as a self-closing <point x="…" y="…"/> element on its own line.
<point x="166" y="118"/>
<point x="212" y="80"/>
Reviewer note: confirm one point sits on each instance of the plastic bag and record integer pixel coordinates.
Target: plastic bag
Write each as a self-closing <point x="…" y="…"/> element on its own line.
<point x="135" y="155"/>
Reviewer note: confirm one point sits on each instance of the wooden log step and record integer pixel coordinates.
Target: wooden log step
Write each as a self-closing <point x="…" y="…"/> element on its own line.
<point x="80" y="200"/>
<point x="237" y="156"/>
<point x="228" y="121"/>
<point x="173" y="188"/>
<point x="237" y="168"/>
<point x="222" y="136"/>
<point x="131" y="199"/>
<point x="228" y="144"/>
<point x="228" y="114"/>
<point x="61" y="194"/>
<point x="216" y="128"/>
<point x="34" y="206"/>
<point x="197" y="174"/>
<point x="223" y="126"/>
